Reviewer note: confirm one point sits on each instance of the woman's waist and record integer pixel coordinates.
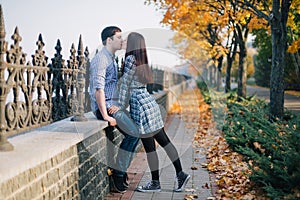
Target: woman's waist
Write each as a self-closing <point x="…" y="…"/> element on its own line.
<point x="137" y="87"/>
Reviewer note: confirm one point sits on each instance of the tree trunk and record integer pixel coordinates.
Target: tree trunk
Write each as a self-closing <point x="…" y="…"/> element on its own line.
<point x="241" y="38"/>
<point x="279" y="45"/>
<point x="230" y="58"/>
<point x="228" y="75"/>
<point x="242" y="72"/>
<point x="296" y="61"/>
<point x="212" y="75"/>
<point x="219" y="73"/>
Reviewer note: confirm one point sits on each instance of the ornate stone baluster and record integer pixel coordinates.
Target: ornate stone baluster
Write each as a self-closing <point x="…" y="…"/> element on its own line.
<point x="57" y="68"/>
<point x="79" y="116"/>
<point x="65" y="88"/>
<point x="73" y="71"/>
<point x="42" y="107"/>
<point x="17" y="112"/>
<point x="87" y="103"/>
<point x="4" y="90"/>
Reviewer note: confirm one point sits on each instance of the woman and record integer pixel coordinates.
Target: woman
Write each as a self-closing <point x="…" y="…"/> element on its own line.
<point x="145" y="112"/>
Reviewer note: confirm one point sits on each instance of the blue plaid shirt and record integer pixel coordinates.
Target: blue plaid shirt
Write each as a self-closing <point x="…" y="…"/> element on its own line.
<point x="104" y="75"/>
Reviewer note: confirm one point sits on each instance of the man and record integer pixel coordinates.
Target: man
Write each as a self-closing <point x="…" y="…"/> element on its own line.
<point x="104" y="96"/>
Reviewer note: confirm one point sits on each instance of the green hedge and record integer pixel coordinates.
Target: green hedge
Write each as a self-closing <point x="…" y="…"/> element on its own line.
<point x="204" y="91"/>
<point x="271" y="149"/>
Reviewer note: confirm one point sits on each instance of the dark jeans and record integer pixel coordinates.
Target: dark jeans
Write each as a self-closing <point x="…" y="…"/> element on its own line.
<point x="126" y="151"/>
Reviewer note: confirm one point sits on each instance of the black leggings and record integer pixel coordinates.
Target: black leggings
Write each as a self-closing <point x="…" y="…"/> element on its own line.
<point x="152" y="157"/>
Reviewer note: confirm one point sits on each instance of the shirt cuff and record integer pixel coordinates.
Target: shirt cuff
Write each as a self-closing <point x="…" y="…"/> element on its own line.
<point x="108" y="104"/>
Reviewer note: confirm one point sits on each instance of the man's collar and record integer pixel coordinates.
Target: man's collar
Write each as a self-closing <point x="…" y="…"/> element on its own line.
<point x="109" y="53"/>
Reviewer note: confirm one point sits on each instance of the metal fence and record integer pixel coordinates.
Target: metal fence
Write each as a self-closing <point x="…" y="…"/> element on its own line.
<point x="37" y="92"/>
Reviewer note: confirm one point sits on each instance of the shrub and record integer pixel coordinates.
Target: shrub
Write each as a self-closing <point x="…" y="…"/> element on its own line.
<point x="272" y="150"/>
<point x="204" y="91"/>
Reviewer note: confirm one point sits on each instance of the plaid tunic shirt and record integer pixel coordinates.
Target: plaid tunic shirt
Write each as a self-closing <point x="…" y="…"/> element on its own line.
<point x="144" y="110"/>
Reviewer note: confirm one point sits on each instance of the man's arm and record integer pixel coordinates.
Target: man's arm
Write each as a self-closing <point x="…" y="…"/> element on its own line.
<point x="100" y="98"/>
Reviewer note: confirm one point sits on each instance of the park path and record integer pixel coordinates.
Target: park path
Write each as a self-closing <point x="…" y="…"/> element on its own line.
<point x="181" y="128"/>
<point x="291" y="102"/>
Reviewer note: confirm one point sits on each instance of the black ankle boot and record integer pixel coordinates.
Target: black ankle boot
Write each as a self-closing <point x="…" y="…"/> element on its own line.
<point x="125" y="178"/>
<point x="118" y="184"/>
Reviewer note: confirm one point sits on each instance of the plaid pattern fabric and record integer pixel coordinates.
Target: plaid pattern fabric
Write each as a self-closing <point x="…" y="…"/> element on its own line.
<point x="143" y="108"/>
<point x="103" y="75"/>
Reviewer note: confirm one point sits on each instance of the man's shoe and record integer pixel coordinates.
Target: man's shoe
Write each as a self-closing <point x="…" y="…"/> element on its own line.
<point x="151" y="186"/>
<point x="117" y="184"/>
<point x="125" y="179"/>
<point x="182" y="179"/>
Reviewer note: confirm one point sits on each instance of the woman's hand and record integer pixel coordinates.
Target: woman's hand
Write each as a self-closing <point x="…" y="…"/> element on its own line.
<point x="113" y="109"/>
<point x="112" y="121"/>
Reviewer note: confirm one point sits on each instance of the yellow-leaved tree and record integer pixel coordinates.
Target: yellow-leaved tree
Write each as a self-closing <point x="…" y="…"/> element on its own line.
<point x="220" y="28"/>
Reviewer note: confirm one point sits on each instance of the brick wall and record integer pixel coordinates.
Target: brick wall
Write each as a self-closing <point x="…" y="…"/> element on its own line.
<point x="78" y="171"/>
<point x="56" y="177"/>
<point x="92" y="170"/>
<point x="95" y="154"/>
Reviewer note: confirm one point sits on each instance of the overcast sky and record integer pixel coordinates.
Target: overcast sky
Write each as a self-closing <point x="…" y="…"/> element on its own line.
<point x="67" y="19"/>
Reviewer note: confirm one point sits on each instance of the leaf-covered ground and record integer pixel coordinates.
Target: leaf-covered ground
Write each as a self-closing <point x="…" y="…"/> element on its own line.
<point x="227" y="168"/>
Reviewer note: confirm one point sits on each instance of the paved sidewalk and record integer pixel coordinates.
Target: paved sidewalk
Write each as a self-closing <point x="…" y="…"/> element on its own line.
<point x="191" y="159"/>
<point x="291" y="102"/>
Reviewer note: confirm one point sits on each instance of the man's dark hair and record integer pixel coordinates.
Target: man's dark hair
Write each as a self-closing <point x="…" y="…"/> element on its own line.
<point x="109" y="32"/>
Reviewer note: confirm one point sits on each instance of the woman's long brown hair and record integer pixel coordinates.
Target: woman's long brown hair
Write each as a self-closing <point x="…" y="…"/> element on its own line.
<point x="136" y="46"/>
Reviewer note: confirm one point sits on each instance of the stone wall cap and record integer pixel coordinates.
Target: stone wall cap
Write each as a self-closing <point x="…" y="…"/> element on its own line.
<point x="41" y="144"/>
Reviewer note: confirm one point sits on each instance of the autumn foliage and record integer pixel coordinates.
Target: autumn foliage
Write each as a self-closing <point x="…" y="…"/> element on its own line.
<point x="215" y="31"/>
